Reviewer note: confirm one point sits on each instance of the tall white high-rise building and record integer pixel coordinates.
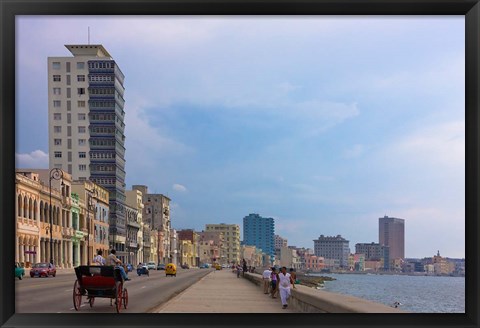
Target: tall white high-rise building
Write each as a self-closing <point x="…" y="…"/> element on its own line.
<point x="86" y="125"/>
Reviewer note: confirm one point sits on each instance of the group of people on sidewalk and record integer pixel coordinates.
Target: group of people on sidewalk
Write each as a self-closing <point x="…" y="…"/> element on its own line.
<point x="279" y="282"/>
<point x="112" y="260"/>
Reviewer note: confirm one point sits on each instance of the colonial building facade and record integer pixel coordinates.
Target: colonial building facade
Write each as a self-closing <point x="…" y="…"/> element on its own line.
<point x="134" y="225"/>
<point x="157" y="225"/>
<point x="44" y="226"/>
<point x="76" y="231"/>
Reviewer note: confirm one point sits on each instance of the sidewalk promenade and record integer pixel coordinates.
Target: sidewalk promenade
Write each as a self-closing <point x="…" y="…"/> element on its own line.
<point x="222" y="292"/>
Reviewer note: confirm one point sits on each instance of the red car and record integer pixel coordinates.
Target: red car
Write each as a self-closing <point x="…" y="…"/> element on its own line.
<point x="43" y="270"/>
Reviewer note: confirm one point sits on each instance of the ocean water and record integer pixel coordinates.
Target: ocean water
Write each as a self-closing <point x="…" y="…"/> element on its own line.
<point x="421" y="294"/>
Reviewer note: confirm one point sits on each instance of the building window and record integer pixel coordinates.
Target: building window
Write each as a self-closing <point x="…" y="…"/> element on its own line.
<point x="57" y="129"/>
<point x="58" y="154"/>
<point x="82" y="154"/>
<point x="57" y="91"/>
<point x="82" y="167"/>
<point x="57" y="142"/>
<point x="81" y="103"/>
<point x="81" y="117"/>
<point x="81" y="78"/>
<point x="56" y="78"/>
<point x="57" y="116"/>
<point x="81" y="129"/>
<point x="56" y="65"/>
<point x="80" y="65"/>
<point x="82" y="142"/>
<point x="81" y="91"/>
<point x="57" y="103"/>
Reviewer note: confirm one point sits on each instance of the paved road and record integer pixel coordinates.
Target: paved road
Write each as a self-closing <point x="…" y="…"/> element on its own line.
<point x="55" y="295"/>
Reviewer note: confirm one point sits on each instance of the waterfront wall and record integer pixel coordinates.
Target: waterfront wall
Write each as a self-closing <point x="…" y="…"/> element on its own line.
<point x="309" y="300"/>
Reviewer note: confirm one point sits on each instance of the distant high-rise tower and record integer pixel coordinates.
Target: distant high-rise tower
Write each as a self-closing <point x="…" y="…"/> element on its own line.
<point x="260" y="232"/>
<point x="86" y="125"/>
<point x="392" y="234"/>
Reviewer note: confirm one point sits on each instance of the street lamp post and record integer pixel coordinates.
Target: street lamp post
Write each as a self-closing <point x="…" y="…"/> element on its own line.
<point x="90" y="205"/>
<point x="55" y="174"/>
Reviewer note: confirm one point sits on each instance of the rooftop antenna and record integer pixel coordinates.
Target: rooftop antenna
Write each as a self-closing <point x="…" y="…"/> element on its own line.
<point x="89" y="35"/>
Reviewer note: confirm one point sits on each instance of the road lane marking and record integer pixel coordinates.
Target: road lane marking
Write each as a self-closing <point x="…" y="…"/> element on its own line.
<point x="144" y="286"/>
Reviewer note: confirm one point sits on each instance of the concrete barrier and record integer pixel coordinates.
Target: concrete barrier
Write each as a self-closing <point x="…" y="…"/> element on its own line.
<point x="309" y="300"/>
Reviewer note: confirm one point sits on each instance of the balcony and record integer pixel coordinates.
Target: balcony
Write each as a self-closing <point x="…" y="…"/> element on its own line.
<point x="133" y="244"/>
<point x="67" y="232"/>
<point x="66" y="201"/>
<point x="133" y="223"/>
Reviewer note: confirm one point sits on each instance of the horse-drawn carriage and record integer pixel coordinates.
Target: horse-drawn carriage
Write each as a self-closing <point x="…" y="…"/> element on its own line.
<point x="99" y="281"/>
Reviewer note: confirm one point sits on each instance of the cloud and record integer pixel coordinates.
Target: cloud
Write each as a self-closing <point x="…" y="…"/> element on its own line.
<point x="354" y="152"/>
<point x="323" y="178"/>
<point x="288" y="87"/>
<point x="179" y="187"/>
<point x="147" y="144"/>
<point x="438" y="145"/>
<point x="37" y="159"/>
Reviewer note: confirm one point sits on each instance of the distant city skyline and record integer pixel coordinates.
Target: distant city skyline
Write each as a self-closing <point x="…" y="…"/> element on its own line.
<point x="324" y="124"/>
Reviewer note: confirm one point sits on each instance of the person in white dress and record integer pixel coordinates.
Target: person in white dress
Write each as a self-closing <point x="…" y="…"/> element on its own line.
<point x="285" y="280"/>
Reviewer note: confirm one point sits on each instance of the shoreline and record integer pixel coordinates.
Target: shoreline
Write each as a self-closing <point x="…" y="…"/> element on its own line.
<point x="417" y="274"/>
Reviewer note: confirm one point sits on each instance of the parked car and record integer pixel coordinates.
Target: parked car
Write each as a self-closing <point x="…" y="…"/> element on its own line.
<point x="19" y="271"/>
<point x="185" y="266"/>
<point x="43" y="270"/>
<point x="218" y="266"/>
<point x="161" y="266"/>
<point x="151" y="265"/>
<point x="204" y="266"/>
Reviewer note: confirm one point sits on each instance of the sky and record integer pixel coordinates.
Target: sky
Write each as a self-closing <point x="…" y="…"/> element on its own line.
<point x="325" y="123"/>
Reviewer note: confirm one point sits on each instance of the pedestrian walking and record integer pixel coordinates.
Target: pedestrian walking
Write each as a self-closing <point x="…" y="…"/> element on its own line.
<point x="239" y="269"/>
<point x="274" y="279"/>
<point x="266" y="280"/>
<point x="294" y="277"/>
<point x="244" y="267"/>
<point x="285" y="280"/>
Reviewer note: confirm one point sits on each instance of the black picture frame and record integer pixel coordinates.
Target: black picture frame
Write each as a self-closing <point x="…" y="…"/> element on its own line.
<point x="11" y="8"/>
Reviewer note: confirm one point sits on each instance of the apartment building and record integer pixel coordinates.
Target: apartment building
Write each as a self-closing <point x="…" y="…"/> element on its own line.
<point x="231" y="234"/>
<point x="86" y="125"/>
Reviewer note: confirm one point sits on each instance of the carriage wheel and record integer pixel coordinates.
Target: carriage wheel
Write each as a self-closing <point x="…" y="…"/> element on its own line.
<point x="125" y="298"/>
<point x="118" y="296"/>
<point x="77" y="295"/>
<point x="91" y="300"/>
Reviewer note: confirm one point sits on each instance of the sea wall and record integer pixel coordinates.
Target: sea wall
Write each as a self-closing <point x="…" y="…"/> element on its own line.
<point x="309" y="300"/>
